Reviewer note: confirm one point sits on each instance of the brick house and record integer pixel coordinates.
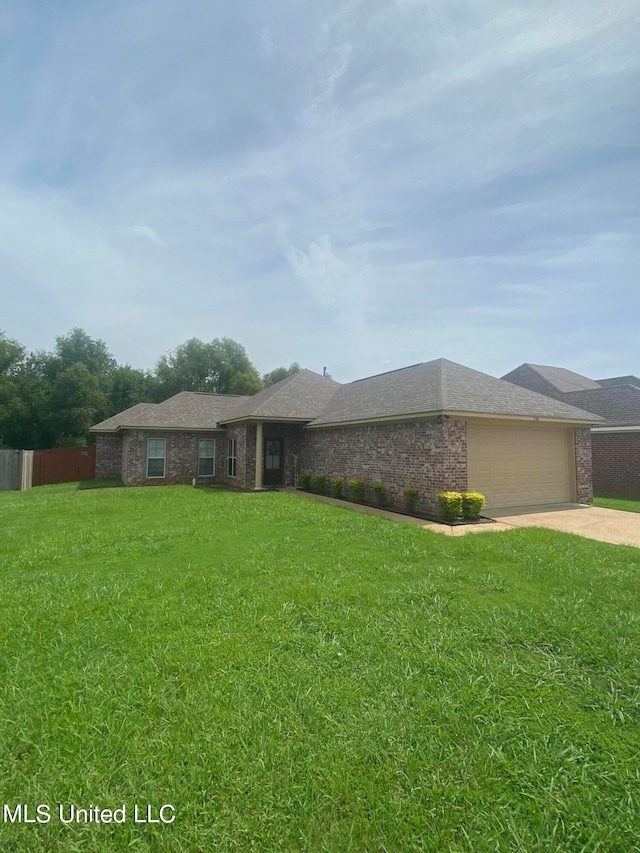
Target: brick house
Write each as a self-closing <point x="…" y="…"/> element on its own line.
<point x="615" y="443"/>
<point x="433" y="426"/>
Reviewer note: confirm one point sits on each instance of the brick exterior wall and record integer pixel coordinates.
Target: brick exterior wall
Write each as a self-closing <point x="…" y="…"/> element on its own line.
<point x="582" y="444"/>
<point x="290" y="435"/>
<point x="616" y="463"/>
<point x="108" y="456"/>
<point x="245" y="437"/>
<point x="246" y="450"/>
<point x="430" y="456"/>
<point x="181" y="465"/>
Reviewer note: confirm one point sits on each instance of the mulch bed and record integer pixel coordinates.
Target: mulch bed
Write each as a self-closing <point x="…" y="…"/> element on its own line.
<point x="423" y="515"/>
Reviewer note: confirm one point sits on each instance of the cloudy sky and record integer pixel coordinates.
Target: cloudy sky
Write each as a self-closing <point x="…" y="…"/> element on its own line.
<point x="361" y="184"/>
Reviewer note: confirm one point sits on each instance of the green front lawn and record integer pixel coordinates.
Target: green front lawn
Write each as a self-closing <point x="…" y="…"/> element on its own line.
<point x="292" y="676"/>
<point x="626" y="504"/>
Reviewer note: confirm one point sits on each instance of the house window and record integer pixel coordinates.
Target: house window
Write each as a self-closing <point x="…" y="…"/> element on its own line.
<point x="272" y="455"/>
<point x="206" y="458"/>
<point x="156" y="455"/>
<point x="231" y="467"/>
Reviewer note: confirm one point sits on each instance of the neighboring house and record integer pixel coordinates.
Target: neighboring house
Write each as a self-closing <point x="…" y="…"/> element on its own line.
<point x="616" y="443"/>
<point x="432" y="426"/>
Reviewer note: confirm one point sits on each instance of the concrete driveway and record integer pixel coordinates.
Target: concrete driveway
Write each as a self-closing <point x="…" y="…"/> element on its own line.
<point x="605" y="525"/>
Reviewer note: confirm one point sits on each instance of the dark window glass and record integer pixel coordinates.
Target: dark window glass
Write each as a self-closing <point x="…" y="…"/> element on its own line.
<point x="205" y="468"/>
<point x="155" y="468"/>
<point x="231" y="462"/>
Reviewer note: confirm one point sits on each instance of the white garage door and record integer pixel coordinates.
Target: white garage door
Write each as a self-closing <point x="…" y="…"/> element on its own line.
<point x="520" y="465"/>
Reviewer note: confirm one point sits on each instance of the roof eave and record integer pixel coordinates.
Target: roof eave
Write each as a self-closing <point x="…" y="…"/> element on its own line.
<point x="419" y="416"/>
<point x="450" y="413"/>
<point x="619" y="428"/>
<point x="521" y="417"/>
<point x="167" y="428"/>
<point x="255" y="419"/>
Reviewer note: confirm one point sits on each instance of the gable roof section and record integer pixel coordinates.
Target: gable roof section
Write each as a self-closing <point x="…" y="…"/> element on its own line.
<point x="561" y="379"/>
<point x="620" y="380"/>
<point x="427" y="389"/>
<point x="616" y="399"/>
<point x="619" y="404"/>
<point x="299" y="397"/>
<point x="125" y="418"/>
<point x="441" y="387"/>
<point x="185" y="410"/>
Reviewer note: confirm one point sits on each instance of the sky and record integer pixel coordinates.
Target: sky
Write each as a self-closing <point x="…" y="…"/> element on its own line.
<point x="353" y="185"/>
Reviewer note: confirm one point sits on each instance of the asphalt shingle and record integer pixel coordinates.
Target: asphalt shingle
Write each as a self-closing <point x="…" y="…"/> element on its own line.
<point x="301" y="397"/>
<point x="441" y="386"/>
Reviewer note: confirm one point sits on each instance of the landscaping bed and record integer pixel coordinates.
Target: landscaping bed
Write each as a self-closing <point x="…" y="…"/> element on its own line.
<point x="437" y="519"/>
<point x="455" y="507"/>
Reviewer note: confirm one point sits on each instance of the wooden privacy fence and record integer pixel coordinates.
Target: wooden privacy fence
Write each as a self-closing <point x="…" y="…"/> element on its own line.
<point x="21" y="469"/>
<point x="16" y="467"/>
<point x="64" y="465"/>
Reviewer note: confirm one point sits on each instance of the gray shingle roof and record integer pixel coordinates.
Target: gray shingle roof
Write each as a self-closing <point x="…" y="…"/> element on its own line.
<point x="619" y="404"/>
<point x="620" y="380"/>
<point x="186" y="410"/>
<point x="564" y="380"/>
<point x="441" y="386"/>
<point x="434" y="387"/>
<point x="125" y="418"/>
<point x="300" y="397"/>
<point x="617" y="399"/>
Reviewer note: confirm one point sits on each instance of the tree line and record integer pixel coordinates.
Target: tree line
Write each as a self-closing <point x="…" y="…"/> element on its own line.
<point x="51" y="399"/>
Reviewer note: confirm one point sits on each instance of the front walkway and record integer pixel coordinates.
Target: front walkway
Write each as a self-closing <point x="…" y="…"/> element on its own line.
<point x="604" y="525"/>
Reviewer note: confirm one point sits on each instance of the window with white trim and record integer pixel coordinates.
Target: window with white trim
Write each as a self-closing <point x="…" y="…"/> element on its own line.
<point x="156" y="457"/>
<point x="207" y="457"/>
<point x="232" y="461"/>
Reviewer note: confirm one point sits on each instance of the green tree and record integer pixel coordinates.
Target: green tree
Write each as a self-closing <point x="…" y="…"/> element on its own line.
<point x="11" y="355"/>
<point x="78" y="348"/>
<point x="11" y="402"/>
<point x="221" y="366"/>
<point x="280" y="373"/>
<point x="128" y="387"/>
<point x="77" y="397"/>
<point x="25" y="404"/>
<point x="88" y="388"/>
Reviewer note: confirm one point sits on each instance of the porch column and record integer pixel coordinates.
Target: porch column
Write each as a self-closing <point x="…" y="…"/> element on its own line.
<point x="259" y="458"/>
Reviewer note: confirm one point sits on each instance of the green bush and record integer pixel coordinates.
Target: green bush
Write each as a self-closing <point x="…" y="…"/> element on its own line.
<point x="357" y="489"/>
<point x="411" y="499"/>
<point x="318" y="483"/>
<point x="380" y="492"/>
<point x="450" y="504"/>
<point x="472" y="503"/>
<point x="303" y="481"/>
<point x="336" y="487"/>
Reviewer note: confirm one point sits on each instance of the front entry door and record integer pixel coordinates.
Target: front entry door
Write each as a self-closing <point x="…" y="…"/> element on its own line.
<point x="273" y="474"/>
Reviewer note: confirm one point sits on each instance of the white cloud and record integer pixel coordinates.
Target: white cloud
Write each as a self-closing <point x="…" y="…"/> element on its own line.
<point x="403" y="180"/>
<point x="146" y="233"/>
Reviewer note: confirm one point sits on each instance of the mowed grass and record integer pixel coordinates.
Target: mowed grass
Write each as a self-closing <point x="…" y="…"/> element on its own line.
<point x="625" y="504"/>
<point x="296" y="677"/>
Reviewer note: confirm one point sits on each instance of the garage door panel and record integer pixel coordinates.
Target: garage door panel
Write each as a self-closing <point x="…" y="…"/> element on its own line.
<point x="520" y="465"/>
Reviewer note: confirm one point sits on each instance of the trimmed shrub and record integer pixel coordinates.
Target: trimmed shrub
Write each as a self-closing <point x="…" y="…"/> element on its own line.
<point x="450" y="504"/>
<point x="357" y="489"/>
<point x="472" y="503"/>
<point x="317" y="483"/>
<point x="411" y="499"/>
<point x="380" y="492"/>
<point x="336" y="487"/>
<point x="303" y="481"/>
